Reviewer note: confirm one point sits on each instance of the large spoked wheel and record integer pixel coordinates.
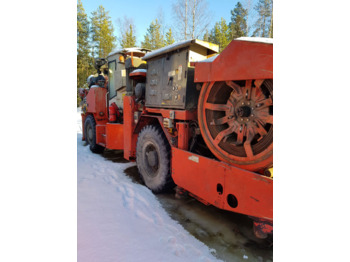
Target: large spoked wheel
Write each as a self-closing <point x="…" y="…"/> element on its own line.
<point x="90" y="134"/>
<point x="236" y="121"/>
<point x="153" y="159"/>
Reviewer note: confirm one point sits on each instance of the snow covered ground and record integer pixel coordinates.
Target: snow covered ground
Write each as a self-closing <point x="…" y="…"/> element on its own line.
<point x="119" y="220"/>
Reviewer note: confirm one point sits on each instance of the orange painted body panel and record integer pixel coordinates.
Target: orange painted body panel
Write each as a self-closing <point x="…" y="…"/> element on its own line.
<point x="183" y="135"/>
<point x="115" y="136"/>
<point x="101" y="135"/>
<point x="138" y="75"/>
<point x="240" y="60"/>
<point x="130" y="139"/>
<point x="96" y="104"/>
<point x="179" y="114"/>
<point x="201" y="176"/>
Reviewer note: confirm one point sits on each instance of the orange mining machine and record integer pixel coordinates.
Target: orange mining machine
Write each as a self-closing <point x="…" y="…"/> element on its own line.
<point x="193" y="119"/>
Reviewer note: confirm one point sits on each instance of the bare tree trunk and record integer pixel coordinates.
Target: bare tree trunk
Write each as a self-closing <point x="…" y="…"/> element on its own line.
<point x="248" y="5"/>
<point x="186" y="21"/>
<point x="263" y="27"/>
<point x="271" y="25"/>
<point x="193" y="18"/>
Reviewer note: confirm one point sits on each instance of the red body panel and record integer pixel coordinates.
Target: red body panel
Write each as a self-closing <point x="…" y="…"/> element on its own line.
<point x="101" y="135"/>
<point x="115" y="136"/>
<point x="183" y="135"/>
<point x="96" y="104"/>
<point x="201" y="176"/>
<point x="179" y="114"/>
<point x="240" y="60"/>
<point x="130" y="139"/>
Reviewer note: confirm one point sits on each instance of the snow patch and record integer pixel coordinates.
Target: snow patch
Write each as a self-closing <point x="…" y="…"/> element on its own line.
<point x="208" y="60"/>
<point x="256" y="39"/>
<point x="140" y="71"/>
<point x="119" y="220"/>
<point x="128" y="50"/>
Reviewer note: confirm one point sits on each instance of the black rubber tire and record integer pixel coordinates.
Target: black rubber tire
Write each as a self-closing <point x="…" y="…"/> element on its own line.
<point x="90" y="135"/>
<point x="153" y="159"/>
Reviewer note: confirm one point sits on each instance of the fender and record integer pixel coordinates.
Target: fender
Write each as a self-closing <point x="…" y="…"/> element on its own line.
<point x="152" y="120"/>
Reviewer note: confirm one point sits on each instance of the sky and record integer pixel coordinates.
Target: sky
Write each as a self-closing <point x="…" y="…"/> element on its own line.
<point x="143" y="12"/>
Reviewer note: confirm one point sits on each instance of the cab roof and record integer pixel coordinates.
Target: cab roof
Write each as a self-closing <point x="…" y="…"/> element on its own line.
<point x="212" y="48"/>
<point x="137" y="51"/>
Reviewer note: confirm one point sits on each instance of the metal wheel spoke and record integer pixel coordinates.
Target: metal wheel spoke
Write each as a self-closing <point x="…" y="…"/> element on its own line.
<point x="269" y="119"/>
<point x="231" y="100"/>
<point x="240" y="136"/>
<point x="235" y="87"/>
<point x="264" y="117"/>
<point x="248" y="89"/>
<point x="264" y="103"/>
<point x="217" y="107"/>
<point x="224" y="133"/>
<point x="248" y="149"/>
<point x="219" y="121"/>
<point x="258" y="94"/>
<point x="253" y="93"/>
<point x="258" y="82"/>
<point x="261" y="130"/>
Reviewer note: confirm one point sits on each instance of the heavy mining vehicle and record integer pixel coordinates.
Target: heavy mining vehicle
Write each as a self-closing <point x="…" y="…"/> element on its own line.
<point x="192" y="119"/>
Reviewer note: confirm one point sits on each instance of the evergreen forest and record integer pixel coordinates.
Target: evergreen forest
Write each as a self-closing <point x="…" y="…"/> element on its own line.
<point x="95" y="33"/>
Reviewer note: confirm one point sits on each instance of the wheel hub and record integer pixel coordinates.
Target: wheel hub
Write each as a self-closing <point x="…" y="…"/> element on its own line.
<point x="89" y="134"/>
<point x="244" y="111"/>
<point x="151" y="160"/>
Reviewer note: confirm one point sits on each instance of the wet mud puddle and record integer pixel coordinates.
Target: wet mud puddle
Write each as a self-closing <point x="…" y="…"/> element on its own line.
<point x="229" y="235"/>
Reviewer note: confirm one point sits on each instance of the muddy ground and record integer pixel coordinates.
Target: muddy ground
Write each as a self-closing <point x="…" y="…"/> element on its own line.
<point x="228" y="235"/>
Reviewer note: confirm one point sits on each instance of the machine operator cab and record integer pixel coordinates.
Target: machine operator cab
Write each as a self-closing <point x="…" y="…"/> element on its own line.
<point x="121" y="62"/>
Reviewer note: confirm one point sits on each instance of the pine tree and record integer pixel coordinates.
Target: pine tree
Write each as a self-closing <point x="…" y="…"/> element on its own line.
<point x="153" y="38"/>
<point x="220" y="34"/>
<point x="129" y="39"/>
<point x="126" y="36"/>
<point x="169" y="39"/>
<point x="84" y="60"/>
<point x="102" y="32"/>
<point x="238" y="24"/>
<point x="263" y="26"/>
